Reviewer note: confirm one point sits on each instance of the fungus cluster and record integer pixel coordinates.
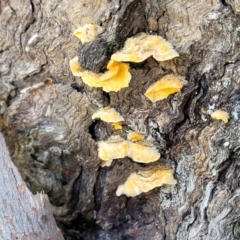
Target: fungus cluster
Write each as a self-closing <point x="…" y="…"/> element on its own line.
<point x="136" y="49"/>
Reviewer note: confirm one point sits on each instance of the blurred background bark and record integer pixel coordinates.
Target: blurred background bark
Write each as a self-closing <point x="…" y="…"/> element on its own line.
<point x="53" y="140"/>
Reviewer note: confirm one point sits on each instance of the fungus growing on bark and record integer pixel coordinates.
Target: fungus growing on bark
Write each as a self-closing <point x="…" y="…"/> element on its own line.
<point x="117" y="126"/>
<point x="220" y="115"/>
<point x="116" y="78"/>
<point x="75" y="67"/>
<point x="108" y="114"/>
<point x="116" y="147"/>
<point x="142" y="46"/>
<point x="88" y="32"/>
<point x="144" y="181"/>
<point x="164" y="87"/>
<point x="143" y="152"/>
<point x="134" y="136"/>
<point x="106" y="163"/>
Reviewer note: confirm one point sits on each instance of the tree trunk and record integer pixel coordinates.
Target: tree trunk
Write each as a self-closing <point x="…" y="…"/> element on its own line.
<point x="23" y="216"/>
<point x="53" y="139"/>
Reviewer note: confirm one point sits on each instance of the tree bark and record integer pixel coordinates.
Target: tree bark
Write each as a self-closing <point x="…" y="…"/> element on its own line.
<point x="23" y="216"/>
<point x="53" y="139"/>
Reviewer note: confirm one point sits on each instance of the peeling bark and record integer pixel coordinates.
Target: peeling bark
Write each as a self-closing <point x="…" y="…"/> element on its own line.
<point x="53" y="140"/>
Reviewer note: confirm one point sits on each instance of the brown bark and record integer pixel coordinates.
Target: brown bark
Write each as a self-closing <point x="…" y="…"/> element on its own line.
<point x="53" y="140"/>
<point x="23" y="215"/>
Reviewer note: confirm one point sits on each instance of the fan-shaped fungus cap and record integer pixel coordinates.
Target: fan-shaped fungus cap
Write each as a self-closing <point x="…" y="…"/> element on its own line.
<point x="144" y="181"/>
<point x="116" y="78"/>
<point x="75" y="67"/>
<point x="143" y="152"/>
<point x="220" y="115"/>
<point x="114" y="147"/>
<point x="108" y="114"/>
<point x="164" y="87"/>
<point x="142" y="46"/>
<point x="88" y="32"/>
<point x="134" y="136"/>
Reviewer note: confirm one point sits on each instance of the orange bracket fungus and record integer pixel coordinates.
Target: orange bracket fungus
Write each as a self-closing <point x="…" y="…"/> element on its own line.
<point x="144" y="181"/>
<point x="134" y="136"/>
<point x="164" y="87"/>
<point x="142" y="46"/>
<point x="108" y="114"/>
<point x="143" y="152"/>
<point x="117" y="126"/>
<point x="116" y="147"/>
<point x="116" y="78"/>
<point x="88" y="32"/>
<point x="220" y="115"/>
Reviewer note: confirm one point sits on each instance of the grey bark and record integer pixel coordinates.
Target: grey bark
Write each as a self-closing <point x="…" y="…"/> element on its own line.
<point x="53" y="140"/>
<point x="23" y="215"/>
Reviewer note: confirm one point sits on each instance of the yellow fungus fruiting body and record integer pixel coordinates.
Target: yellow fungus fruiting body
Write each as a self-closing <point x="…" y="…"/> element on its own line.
<point x="116" y="78"/>
<point x="142" y="152"/>
<point x="88" y="32"/>
<point x="106" y="163"/>
<point x="117" y="126"/>
<point x="116" y="147"/>
<point x="164" y="87"/>
<point x="220" y="115"/>
<point x="143" y="46"/>
<point x="75" y="67"/>
<point x="90" y="78"/>
<point x="134" y="136"/>
<point x="144" y="181"/>
<point x="119" y="81"/>
<point x="108" y="114"/>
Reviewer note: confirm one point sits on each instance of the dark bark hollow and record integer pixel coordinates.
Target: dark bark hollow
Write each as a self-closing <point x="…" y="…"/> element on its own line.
<point x="53" y="140"/>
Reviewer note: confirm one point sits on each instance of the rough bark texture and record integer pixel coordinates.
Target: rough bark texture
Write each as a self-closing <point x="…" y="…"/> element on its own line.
<point x="23" y="216"/>
<point x="53" y="139"/>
